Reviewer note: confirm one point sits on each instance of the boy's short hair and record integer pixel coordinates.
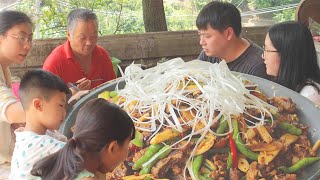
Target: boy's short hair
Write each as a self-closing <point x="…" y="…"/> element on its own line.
<point x="40" y="83"/>
<point x="220" y="16"/>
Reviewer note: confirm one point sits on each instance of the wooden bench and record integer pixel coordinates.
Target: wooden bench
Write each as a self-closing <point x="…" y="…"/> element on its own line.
<point x="146" y="49"/>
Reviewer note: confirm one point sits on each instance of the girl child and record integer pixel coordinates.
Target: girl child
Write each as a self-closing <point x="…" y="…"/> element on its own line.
<point x="99" y="144"/>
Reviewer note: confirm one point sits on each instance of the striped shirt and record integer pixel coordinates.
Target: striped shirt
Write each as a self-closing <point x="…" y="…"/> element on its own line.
<point x="6" y="98"/>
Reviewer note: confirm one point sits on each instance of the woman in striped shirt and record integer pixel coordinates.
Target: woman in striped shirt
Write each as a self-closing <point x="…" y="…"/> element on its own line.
<point x="15" y="44"/>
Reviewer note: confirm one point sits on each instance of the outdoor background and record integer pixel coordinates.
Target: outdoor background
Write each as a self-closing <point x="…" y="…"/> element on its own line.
<point x="126" y="16"/>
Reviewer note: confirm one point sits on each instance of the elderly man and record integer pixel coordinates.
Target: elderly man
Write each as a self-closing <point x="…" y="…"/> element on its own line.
<point x="219" y="25"/>
<point x="80" y="61"/>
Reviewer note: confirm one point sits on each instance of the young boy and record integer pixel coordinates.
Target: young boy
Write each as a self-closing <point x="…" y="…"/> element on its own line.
<point x="43" y="97"/>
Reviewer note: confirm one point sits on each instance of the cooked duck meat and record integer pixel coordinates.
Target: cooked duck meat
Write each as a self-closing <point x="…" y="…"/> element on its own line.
<point x="220" y="161"/>
<point x="221" y="157"/>
<point x="133" y="149"/>
<point x="214" y="175"/>
<point x="234" y="174"/>
<point x="284" y="104"/>
<point x="242" y="124"/>
<point x="249" y="85"/>
<point x="222" y="167"/>
<point x="220" y="142"/>
<point x="160" y="169"/>
<point x="252" y="173"/>
<point x="180" y="177"/>
<point x="288" y="117"/>
<point x="221" y="178"/>
<point x="303" y="140"/>
<point x="302" y="147"/>
<point x="215" y="125"/>
<point x="259" y="95"/>
<point x="118" y="173"/>
<point x="301" y="151"/>
<point x="176" y="169"/>
<point x="138" y="155"/>
<point x="254" y="112"/>
<point x="272" y="173"/>
<point x="285" y="177"/>
<point x="266" y="170"/>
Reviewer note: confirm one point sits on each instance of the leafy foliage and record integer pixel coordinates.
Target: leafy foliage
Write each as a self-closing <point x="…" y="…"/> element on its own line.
<point x="125" y="16"/>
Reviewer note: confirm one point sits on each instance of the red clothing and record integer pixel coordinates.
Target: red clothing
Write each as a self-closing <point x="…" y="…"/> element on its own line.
<point x="62" y="63"/>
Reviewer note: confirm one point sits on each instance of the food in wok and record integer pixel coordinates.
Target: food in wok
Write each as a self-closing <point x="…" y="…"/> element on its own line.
<point x="200" y="121"/>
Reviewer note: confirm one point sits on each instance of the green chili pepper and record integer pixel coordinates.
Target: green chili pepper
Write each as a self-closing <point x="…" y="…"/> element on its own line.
<point x="290" y="128"/>
<point x="229" y="161"/>
<point x="151" y="150"/>
<point x="160" y="155"/>
<point x="196" y="164"/>
<point x="222" y="125"/>
<point x="243" y="178"/>
<point x="299" y="165"/>
<point x="240" y="145"/>
<point x="138" y="139"/>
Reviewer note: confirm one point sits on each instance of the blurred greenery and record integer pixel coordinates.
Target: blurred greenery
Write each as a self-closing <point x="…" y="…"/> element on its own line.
<point x="125" y="16"/>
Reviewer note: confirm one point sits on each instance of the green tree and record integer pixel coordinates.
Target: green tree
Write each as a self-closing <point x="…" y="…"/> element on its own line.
<point x="279" y="16"/>
<point x="126" y="16"/>
<point x="114" y="16"/>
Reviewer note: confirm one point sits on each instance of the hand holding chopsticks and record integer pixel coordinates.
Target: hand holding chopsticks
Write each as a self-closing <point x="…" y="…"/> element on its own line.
<point x="83" y="84"/>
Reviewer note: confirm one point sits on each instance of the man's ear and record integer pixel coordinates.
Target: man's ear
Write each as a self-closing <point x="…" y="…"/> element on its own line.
<point x="229" y="33"/>
<point x="68" y="35"/>
<point x="38" y="103"/>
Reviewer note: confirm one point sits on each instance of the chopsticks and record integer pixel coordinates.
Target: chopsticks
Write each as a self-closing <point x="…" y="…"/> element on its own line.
<point x="93" y="80"/>
<point x="75" y="85"/>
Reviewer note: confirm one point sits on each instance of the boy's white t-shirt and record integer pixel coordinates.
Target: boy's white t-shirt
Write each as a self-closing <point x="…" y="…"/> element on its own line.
<point x="29" y="149"/>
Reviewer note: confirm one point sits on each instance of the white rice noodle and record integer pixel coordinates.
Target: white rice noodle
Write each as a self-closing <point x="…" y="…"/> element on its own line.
<point x="221" y="91"/>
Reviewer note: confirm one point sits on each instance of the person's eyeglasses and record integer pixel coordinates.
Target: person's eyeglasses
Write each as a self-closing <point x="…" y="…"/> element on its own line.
<point x="22" y="40"/>
<point x="264" y="49"/>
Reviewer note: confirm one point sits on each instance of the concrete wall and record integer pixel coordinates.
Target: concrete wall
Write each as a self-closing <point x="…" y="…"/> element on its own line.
<point x="146" y="49"/>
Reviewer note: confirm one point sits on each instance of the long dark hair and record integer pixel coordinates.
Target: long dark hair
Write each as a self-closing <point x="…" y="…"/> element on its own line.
<point x="8" y="19"/>
<point x="98" y="123"/>
<point x="298" y="64"/>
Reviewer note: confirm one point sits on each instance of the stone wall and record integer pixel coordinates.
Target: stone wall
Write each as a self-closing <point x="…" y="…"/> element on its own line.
<point x="146" y="49"/>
